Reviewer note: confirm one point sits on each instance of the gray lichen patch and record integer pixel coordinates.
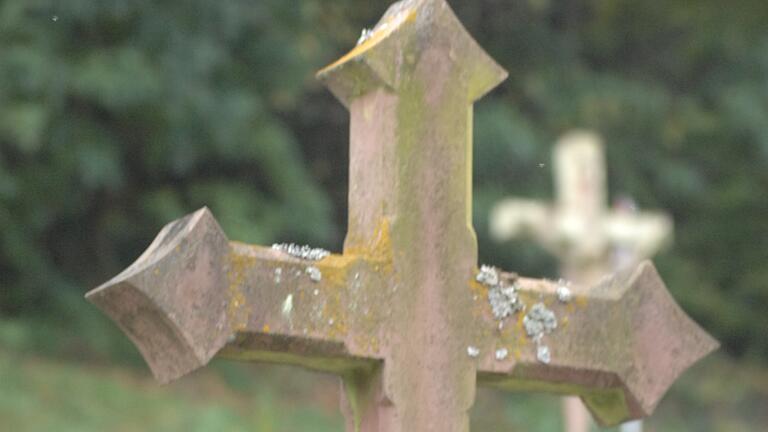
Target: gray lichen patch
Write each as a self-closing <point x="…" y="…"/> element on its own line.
<point x="543" y="354"/>
<point x="473" y="351"/>
<point x="288" y="306"/>
<point x="563" y="291"/>
<point x="364" y="35"/>
<point x="488" y="276"/>
<point x="278" y="275"/>
<point x="503" y="299"/>
<point x="501" y="354"/>
<point x="301" y="251"/>
<point x="314" y="274"/>
<point x="539" y="321"/>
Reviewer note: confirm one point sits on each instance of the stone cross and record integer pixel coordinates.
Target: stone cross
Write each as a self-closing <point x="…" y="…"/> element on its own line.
<point x="580" y="229"/>
<point x="403" y="315"/>
<point x="589" y="239"/>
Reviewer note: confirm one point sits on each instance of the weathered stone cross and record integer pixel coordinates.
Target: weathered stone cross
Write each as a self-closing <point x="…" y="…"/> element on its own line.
<point x="589" y="239"/>
<point x="403" y="315"/>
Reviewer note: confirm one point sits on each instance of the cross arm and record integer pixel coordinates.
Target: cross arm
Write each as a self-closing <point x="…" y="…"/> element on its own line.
<point x="194" y="294"/>
<point x="619" y="344"/>
<point x="560" y="232"/>
<point x="322" y="315"/>
<point x="644" y="232"/>
<point x="512" y="217"/>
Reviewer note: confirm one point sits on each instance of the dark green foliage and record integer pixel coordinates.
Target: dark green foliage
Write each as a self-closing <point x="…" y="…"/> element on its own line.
<point x="119" y="116"/>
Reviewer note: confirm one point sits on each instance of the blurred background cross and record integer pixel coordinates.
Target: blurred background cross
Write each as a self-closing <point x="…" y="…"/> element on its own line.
<point x="590" y="239"/>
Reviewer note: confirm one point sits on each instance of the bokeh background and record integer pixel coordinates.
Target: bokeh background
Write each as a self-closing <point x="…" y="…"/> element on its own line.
<point x="119" y="116"/>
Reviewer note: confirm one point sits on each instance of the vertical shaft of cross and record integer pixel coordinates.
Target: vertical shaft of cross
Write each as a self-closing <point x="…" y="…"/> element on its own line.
<point x="396" y="165"/>
<point x="398" y="160"/>
<point x="409" y="90"/>
<point x="435" y="245"/>
<point x="579" y="165"/>
<point x="622" y="258"/>
<point x="580" y="178"/>
<point x="579" y="168"/>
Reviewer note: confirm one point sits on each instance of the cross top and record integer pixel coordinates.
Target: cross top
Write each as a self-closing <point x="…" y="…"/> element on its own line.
<point x="403" y="315"/>
<point x="579" y="163"/>
<point x="411" y="37"/>
<point x="409" y="86"/>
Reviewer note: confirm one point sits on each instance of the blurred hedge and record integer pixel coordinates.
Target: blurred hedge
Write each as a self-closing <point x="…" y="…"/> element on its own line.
<point x="116" y="117"/>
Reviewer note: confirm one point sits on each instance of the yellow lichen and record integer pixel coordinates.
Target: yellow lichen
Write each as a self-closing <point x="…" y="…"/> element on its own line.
<point x="237" y="310"/>
<point x="478" y="289"/>
<point x="377" y="249"/>
<point x="335" y="269"/>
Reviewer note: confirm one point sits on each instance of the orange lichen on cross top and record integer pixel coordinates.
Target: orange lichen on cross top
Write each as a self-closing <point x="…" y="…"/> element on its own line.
<point x="379" y="33"/>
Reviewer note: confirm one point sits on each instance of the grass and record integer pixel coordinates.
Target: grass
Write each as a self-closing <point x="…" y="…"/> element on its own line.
<point x="44" y="395"/>
<point x="45" y="386"/>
